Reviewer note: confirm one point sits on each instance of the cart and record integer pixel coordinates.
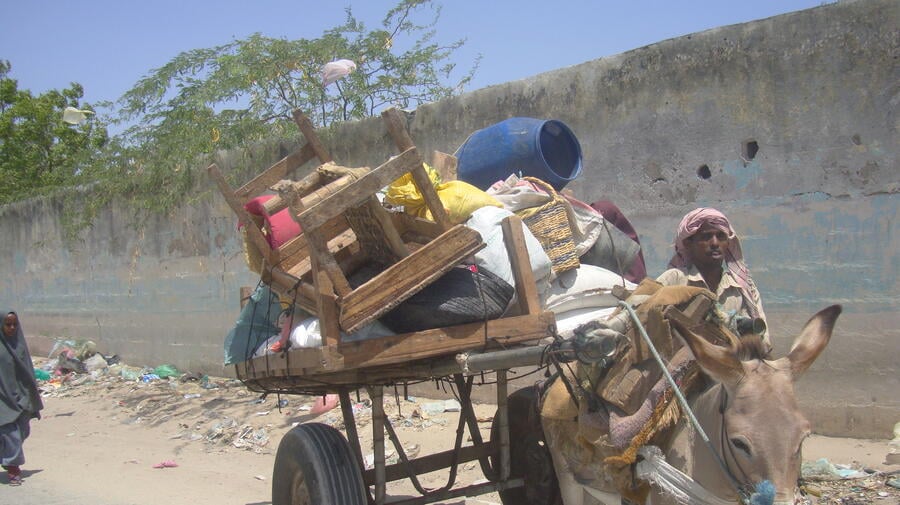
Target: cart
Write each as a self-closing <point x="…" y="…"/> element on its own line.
<point x="343" y="226"/>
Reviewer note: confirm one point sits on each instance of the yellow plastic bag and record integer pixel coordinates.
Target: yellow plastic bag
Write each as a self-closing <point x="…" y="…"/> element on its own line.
<point x="459" y="198"/>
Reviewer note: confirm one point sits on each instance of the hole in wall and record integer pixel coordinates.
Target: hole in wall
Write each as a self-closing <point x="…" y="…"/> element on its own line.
<point x="749" y="148"/>
<point x="703" y="172"/>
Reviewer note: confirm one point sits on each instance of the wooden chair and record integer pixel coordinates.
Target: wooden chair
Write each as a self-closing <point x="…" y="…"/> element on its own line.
<point x="344" y="226"/>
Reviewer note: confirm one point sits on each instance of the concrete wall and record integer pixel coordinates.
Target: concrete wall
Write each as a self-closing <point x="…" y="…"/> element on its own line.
<point x="816" y="207"/>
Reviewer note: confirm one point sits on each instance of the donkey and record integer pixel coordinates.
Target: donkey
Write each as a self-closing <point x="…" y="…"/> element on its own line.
<point x="749" y="415"/>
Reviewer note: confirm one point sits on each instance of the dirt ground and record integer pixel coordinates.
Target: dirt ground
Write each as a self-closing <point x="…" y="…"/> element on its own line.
<point x="102" y="438"/>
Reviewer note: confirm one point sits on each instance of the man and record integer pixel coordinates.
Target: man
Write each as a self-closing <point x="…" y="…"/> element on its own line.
<point x="708" y="254"/>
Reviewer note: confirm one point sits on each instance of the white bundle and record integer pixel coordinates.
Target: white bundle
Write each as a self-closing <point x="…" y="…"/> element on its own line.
<point x="673" y="481"/>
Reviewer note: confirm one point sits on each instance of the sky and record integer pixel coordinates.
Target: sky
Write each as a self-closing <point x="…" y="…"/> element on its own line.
<point x="108" y="45"/>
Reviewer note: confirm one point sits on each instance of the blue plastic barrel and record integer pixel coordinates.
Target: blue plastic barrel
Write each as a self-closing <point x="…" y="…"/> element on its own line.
<point x="546" y="149"/>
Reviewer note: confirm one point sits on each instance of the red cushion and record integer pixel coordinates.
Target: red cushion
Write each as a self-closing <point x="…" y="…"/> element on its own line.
<point x="281" y="223"/>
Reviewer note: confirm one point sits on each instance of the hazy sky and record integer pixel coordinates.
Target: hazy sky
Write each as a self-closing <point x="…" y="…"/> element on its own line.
<point x="107" y="46"/>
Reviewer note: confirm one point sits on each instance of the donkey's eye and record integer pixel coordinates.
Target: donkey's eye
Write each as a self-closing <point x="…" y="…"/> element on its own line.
<point x="741" y="444"/>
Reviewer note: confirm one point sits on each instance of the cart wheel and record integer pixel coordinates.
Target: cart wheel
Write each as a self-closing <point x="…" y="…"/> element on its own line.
<point x="528" y="453"/>
<point x="314" y="466"/>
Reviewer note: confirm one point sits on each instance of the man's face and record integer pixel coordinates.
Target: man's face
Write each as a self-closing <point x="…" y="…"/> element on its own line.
<point x="10" y="324"/>
<point x="707" y="246"/>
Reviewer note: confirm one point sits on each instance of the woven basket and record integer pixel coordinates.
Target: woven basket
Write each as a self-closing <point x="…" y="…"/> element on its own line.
<point x="550" y="225"/>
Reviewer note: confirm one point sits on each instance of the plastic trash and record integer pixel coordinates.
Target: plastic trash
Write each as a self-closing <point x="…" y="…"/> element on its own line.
<point x="72" y="115"/>
<point x="41" y="375"/>
<point x="334" y="70"/>
<point x="95" y="362"/>
<point x="166" y="371"/>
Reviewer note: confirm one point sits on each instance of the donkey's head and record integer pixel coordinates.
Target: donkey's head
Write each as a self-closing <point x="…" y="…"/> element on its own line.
<point x="762" y="428"/>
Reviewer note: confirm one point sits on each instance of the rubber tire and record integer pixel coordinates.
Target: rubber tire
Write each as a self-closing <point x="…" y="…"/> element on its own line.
<point x="529" y="455"/>
<point x="315" y="466"/>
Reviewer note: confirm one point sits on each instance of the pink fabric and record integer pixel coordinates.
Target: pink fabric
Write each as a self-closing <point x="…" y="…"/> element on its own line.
<point x="734" y="256"/>
<point x="281" y="223"/>
<point x="324" y="404"/>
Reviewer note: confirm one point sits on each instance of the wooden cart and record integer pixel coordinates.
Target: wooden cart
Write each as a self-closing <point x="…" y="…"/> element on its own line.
<point x="343" y="226"/>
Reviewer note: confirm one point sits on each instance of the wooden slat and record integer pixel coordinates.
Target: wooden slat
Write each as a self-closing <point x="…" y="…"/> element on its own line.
<point x="409" y="223"/>
<point x="407" y="277"/>
<point x="526" y="290"/>
<point x="312" y="140"/>
<point x="362" y="362"/>
<point x="327" y="310"/>
<point x="257" y="238"/>
<point x="395" y="121"/>
<point x="276" y="172"/>
<point x="355" y="194"/>
<point x="391" y="235"/>
<point x="430" y="343"/>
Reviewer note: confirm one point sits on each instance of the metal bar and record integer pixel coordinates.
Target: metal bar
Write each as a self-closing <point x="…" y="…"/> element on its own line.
<point x="350" y="426"/>
<point x="473" y="490"/>
<point x="504" y="360"/>
<point x="376" y="393"/>
<point x="430" y="463"/>
<point x="503" y="422"/>
<point x="468" y="413"/>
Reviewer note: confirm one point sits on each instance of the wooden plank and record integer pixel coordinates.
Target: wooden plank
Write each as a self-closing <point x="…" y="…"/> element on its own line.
<point x="276" y="172"/>
<point x="296" y="249"/>
<point x="317" y="242"/>
<point x="290" y="363"/>
<point x="396" y="125"/>
<point x="391" y="235"/>
<point x="429" y="194"/>
<point x="327" y="310"/>
<point x="355" y="194"/>
<point x="309" y="131"/>
<point x="445" y="164"/>
<point x="422" y="227"/>
<point x="431" y="343"/>
<point x="407" y="277"/>
<point x="256" y="236"/>
<point x="526" y="290"/>
<point x="288" y="190"/>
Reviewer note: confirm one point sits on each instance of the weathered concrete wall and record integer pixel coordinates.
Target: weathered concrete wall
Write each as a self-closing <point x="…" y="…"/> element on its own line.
<point x="816" y="207"/>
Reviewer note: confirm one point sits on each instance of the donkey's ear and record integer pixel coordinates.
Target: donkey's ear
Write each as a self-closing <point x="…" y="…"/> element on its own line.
<point x="813" y="339"/>
<point x="720" y="363"/>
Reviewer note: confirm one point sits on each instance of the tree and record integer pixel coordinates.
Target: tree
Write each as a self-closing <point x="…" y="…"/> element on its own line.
<point x="38" y="151"/>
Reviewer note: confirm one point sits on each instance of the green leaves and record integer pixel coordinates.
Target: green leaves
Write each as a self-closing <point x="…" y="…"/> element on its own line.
<point x="38" y="151"/>
<point x="224" y="97"/>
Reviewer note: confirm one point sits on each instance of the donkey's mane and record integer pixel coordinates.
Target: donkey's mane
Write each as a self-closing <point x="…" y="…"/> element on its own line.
<point x="751" y="347"/>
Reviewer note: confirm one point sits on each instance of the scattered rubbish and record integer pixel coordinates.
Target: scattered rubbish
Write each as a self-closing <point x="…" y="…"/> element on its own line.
<point x="95" y="362"/>
<point x="166" y="464"/>
<point x="822" y="469"/>
<point x="432" y="408"/>
<point x="895" y="483"/>
<point x="260" y="477"/>
<point x="165" y="371"/>
<point x="41" y="375"/>
<point x="191" y="395"/>
<point x="282" y="403"/>
<point x="148" y="377"/>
